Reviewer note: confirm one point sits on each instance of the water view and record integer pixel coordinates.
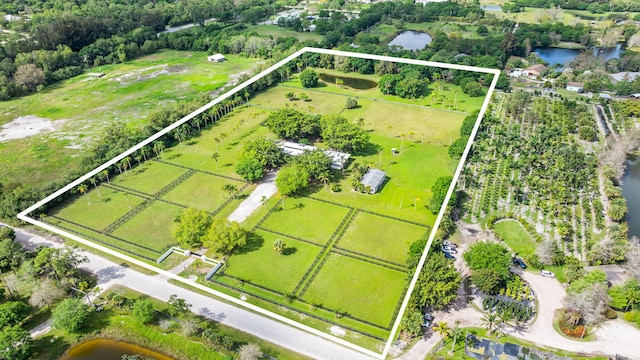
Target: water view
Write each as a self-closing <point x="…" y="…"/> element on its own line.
<point x="631" y="192"/>
<point x="411" y="40"/>
<point x="564" y="56"/>
<point x="103" y="349"/>
<point x="491" y="7"/>
<point x="355" y="83"/>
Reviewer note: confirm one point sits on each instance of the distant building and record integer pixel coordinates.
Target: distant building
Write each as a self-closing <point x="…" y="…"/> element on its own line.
<point x="311" y="28"/>
<point x="373" y="179"/>
<point x="535" y="71"/>
<point x="338" y="159"/>
<point x="575" y="86"/>
<point x="423" y="2"/>
<point x="625" y="76"/>
<point x="606" y="96"/>
<point x="216" y="58"/>
<point x="516" y="73"/>
<point x="12" y="18"/>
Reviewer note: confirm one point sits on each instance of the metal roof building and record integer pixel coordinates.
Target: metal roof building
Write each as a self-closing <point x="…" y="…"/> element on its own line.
<point x="374" y="179"/>
<point x="338" y="159"/>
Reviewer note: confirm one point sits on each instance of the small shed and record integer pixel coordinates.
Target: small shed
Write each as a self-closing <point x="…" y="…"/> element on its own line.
<point x="216" y="58"/>
<point x="575" y="86"/>
<point x="374" y="179"/>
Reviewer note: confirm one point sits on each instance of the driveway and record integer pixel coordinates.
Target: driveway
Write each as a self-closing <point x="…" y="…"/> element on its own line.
<point x="111" y="274"/>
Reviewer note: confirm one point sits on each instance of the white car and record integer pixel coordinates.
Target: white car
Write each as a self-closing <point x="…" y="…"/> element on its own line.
<point x="547" y="273"/>
<point x="449" y="243"/>
<point x="449" y="249"/>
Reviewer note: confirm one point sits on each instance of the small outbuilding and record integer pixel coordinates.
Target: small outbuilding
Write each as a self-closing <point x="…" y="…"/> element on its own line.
<point x="373" y="179"/>
<point x="535" y="71"/>
<point x="575" y="86"/>
<point x="216" y="58"/>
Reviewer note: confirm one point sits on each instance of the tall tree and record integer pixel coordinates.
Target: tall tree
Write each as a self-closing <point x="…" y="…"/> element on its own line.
<point x="15" y="343"/>
<point x="70" y="315"/>
<point x="192" y="227"/>
<point x="224" y="236"/>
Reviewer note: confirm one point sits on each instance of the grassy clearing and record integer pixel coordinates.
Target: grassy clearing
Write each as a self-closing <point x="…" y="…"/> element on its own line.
<point x="300" y="219"/>
<point x="98" y="210"/>
<point x="150" y="177"/>
<point x="381" y="237"/>
<point x="152" y="227"/>
<point x="515" y="236"/>
<point x="358" y="294"/>
<point x="208" y="188"/>
<point x="264" y="267"/>
<point x="280" y="32"/>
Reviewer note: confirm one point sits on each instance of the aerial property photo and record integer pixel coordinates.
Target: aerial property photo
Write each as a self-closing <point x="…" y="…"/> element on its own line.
<point x="300" y="193"/>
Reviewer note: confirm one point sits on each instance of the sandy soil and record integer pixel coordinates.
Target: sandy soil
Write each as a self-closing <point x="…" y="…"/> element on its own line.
<point x="26" y="126"/>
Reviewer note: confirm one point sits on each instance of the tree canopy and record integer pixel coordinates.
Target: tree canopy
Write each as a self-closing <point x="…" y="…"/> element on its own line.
<point x="437" y="284"/>
<point x="265" y="151"/>
<point x="439" y="193"/>
<point x="489" y="259"/>
<point x="192" y="225"/>
<point x="292" y="179"/>
<point x="309" y="78"/>
<point x="70" y="315"/>
<point x="342" y="135"/>
<point x="292" y="124"/>
<point x="224" y="236"/>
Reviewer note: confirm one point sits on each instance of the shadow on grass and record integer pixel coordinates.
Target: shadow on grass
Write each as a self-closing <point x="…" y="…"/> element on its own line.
<point x="50" y="347"/>
<point x="289" y="251"/>
<point x="254" y="242"/>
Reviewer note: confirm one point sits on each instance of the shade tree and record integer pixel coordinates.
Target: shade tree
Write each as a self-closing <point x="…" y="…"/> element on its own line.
<point x="292" y="179"/>
<point x="340" y="134"/>
<point x="192" y="225"/>
<point x="309" y="78"/>
<point x="15" y="343"/>
<point x="292" y="124"/>
<point x="265" y="151"/>
<point x="70" y="315"/>
<point x="250" y="169"/>
<point x="225" y="236"/>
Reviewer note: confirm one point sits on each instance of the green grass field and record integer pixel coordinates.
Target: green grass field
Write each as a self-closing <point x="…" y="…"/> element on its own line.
<point x="210" y="195"/>
<point x="152" y="227"/>
<point x="514" y="235"/>
<point x="357" y="291"/>
<point x="149" y="178"/>
<point x="265" y="267"/>
<point x="280" y="32"/>
<point x="300" y="219"/>
<point x="82" y="106"/>
<point x="381" y="237"/>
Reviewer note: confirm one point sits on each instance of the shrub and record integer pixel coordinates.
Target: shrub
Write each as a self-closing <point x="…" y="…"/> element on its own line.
<point x="630" y="316"/>
<point x="610" y="314"/>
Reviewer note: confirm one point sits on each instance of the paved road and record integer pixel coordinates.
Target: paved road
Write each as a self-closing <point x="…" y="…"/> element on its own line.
<point x="266" y="189"/>
<point x="111" y="274"/>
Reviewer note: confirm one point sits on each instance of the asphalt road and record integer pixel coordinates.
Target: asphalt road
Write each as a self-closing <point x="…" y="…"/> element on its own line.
<point x="111" y="274"/>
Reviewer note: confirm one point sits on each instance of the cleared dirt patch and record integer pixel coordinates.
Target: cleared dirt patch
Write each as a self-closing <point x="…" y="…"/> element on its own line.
<point x="26" y="126"/>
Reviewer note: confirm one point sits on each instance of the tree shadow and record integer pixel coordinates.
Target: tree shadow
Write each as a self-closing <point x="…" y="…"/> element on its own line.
<point x="254" y="242"/>
<point x="50" y="347"/>
<point x="241" y="196"/>
<point x="106" y="200"/>
<point x="369" y="149"/>
<point x="289" y="251"/>
<point x="173" y="156"/>
<point x="298" y="206"/>
<point x="227" y="164"/>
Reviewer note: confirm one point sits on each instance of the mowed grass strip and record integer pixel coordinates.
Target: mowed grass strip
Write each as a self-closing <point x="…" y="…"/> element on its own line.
<point x="318" y="102"/>
<point x="515" y="236"/>
<point x="381" y="237"/>
<point x="363" y="290"/>
<point x="260" y="264"/>
<point x="99" y="207"/>
<point x="150" y="177"/>
<point x="152" y="227"/>
<point x="202" y="191"/>
<point x="306" y="218"/>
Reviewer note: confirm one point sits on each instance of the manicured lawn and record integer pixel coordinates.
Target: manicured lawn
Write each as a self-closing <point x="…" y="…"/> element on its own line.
<point x="152" y="227"/>
<point x="202" y="191"/>
<point x="263" y="266"/>
<point x="150" y="177"/>
<point x="97" y="211"/>
<point x="319" y="103"/>
<point x="381" y="237"/>
<point x="280" y="32"/>
<point x="357" y="291"/>
<point x="514" y="235"/>
<point x="306" y="218"/>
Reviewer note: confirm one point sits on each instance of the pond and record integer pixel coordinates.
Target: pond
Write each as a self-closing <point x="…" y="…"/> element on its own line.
<point x="411" y="40"/>
<point x="563" y="56"/>
<point x="355" y="83"/>
<point x="491" y="7"/>
<point x="103" y="349"/>
<point x="631" y="193"/>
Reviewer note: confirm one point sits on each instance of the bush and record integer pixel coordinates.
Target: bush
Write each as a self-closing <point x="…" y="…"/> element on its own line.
<point x="309" y="78"/>
<point x="630" y="316"/>
<point x="610" y="314"/>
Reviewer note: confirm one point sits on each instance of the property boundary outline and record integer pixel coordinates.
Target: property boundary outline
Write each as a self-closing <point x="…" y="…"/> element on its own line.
<point x="24" y="214"/>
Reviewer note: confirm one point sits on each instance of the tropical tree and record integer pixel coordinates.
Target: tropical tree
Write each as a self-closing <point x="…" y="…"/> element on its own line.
<point x="456" y="332"/>
<point x="279" y="246"/>
<point x="192" y="226"/>
<point x="94" y="182"/>
<point x="229" y="189"/>
<point x="224" y="235"/>
<point x="158" y="148"/>
<point x="105" y="174"/>
<point x="215" y="156"/>
<point x="15" y="343"/>
<point x="70" y="315"/>
<point x="143" y="311"/>
<point x="442" y="329"/>
<point x="82" y="188"/>
<point x="490" y="321"/>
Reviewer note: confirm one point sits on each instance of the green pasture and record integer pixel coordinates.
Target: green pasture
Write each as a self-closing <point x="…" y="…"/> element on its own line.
<point x="305" y="218"/>
<point x="149" y="177"/>
<point x="280" y="32"/>
<point x="318" y="102"/>
<point x="202" y="191"/>
<point x="360" y="289"/>
<point x="381" y="237"/>
<point x="515" y="236"/>
<point x="152" y="227"/>
<point x="261" y="265"/>
<point x="98" y="208"/>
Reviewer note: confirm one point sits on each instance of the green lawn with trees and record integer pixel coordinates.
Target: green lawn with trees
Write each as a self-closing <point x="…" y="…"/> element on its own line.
<point x="515" y="237"/>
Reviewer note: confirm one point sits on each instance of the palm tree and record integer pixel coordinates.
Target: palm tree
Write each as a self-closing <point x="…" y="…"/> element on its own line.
<point x="633" y="298"/>
<point x="442" y="329"/>
<point x="215" y="157"/>
<point x="94" y="182"/>
<point x="360" y="121"/>
<point x="279" y="246"/>
<point x="105" y="174"/>
<point x="138" y="158"/>
<point x="246" y="96"/>
<point x="158" y="148"/>
<point x="456" y="332"/>
<point x="490" y="321"/>
<point x="229" y="189"/>
<point x="324" y="177"/>
<point x="126" y="163"/>
<point x="126" y="196"/>
<point x="198" y="121"/>
<point x="217" y="140"/>
<point x="144" y="152"/>
<point x="82" y="188"/>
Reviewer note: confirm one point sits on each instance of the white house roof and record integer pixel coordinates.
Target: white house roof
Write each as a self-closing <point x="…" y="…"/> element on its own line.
<point x="373" y="178"/>
<point x="215" y="57"/>
<point x="338" y="159"/>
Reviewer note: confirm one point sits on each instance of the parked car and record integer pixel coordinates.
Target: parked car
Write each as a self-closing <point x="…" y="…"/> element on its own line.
<point x="519" y="263"/>
<point x="449" y="256"/>
<point x="427" y="316"/>
<point x="547" y="273"/>
<point x="449" y="249"/>
<point x="449" y="243"/>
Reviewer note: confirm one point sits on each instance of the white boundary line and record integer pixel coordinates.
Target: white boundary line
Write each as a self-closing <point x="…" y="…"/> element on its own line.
<point x="24" y="214"/>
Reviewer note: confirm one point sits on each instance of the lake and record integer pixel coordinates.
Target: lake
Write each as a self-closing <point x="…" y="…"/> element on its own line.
<point x="563" y="56"/>
<point x="631" y="192"/>
<point x="411" y="40"/>
<point x="355" y="83"/>
<point x="103" y="349"/>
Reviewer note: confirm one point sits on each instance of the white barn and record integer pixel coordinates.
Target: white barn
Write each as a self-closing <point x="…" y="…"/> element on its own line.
<point x="374" y="179"/>
<point x="338" y="159"/>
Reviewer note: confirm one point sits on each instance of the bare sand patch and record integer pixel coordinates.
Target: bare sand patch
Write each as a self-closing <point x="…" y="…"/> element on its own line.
<point x="27" y="126"/>
<point x="142" y="74"/>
